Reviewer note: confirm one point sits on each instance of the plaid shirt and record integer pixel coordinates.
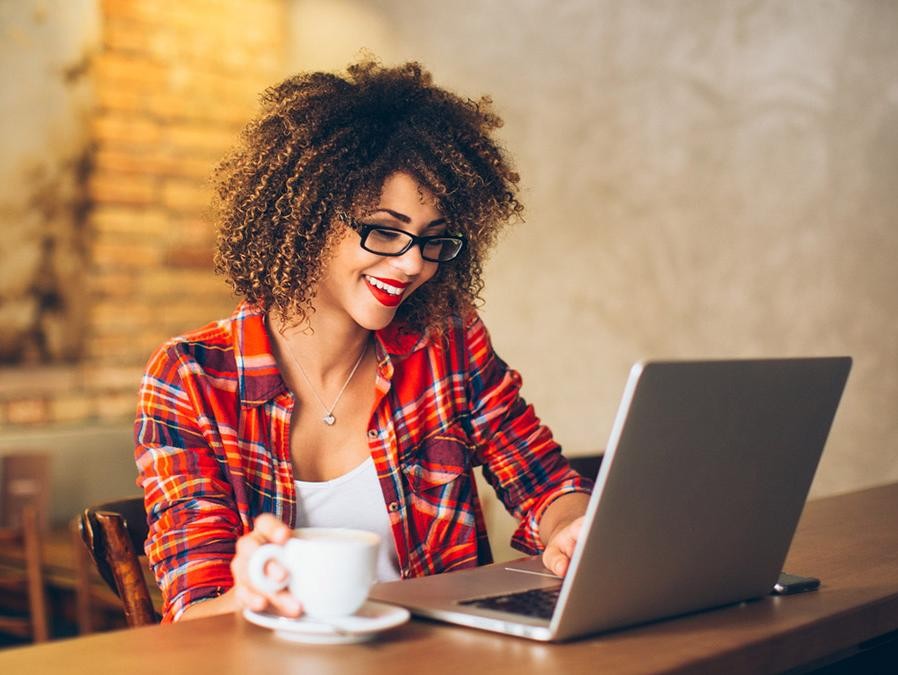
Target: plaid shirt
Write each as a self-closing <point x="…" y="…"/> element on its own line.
<point x="213" y="450"/>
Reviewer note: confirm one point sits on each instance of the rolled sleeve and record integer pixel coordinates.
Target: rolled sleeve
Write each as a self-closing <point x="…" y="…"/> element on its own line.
<point x="192" y="518"/>
<point x="521" y="459"/>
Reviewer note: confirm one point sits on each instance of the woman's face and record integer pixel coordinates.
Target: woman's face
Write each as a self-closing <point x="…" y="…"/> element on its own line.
<point x="368" y="287"/>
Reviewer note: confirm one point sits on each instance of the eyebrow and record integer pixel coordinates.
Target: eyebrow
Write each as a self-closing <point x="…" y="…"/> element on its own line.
<point x="405" y="219"/>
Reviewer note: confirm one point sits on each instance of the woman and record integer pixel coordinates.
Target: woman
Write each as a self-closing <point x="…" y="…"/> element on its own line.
<point x="355" y="384"/>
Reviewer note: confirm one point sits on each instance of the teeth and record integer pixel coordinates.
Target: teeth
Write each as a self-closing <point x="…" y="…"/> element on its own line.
<point x="392" y="290"/>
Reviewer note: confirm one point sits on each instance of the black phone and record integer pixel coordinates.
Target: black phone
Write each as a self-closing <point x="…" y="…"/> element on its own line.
<point x="793" y="583"/>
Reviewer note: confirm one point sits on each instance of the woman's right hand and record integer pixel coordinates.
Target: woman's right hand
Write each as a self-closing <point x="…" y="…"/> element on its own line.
<point x="266" y="530"/>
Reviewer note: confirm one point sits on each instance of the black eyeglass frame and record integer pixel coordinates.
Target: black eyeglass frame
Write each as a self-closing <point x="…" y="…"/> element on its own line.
<point x="364" y="229"/>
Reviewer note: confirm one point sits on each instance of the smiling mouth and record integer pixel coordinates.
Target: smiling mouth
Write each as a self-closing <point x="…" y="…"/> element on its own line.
<point x="387" y="293"/>
<point x="384" y="286"/>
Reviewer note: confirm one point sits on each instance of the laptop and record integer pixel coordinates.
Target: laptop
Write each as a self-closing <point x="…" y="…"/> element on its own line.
<point x="696" y="501"/>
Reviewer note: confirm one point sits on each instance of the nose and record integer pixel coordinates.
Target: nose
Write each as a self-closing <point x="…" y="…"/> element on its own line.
<point x="410" y="263"/>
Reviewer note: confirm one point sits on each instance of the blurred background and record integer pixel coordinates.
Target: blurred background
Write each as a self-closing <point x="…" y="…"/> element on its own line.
<point x="702" y="178"/>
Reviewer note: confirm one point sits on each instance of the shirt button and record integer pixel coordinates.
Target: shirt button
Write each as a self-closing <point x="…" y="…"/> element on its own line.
<point x="373" y="433"/>
<point x="393" y="507"/>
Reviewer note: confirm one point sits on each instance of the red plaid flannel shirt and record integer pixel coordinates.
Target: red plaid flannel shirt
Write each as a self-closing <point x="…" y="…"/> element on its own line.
<point x="212" y="449"/>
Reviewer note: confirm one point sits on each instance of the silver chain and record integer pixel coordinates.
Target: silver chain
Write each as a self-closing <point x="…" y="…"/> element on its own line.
<point x="328" y="418"/>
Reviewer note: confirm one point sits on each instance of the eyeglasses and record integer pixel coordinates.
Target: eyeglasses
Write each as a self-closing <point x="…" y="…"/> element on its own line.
<point x="391" y="241"/>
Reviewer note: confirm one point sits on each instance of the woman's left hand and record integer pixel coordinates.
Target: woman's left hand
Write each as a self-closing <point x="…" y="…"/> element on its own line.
<point x="560" y="548"/>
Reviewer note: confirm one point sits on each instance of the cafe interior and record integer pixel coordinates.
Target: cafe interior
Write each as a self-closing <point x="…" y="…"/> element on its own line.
<point x="701" y="180"/>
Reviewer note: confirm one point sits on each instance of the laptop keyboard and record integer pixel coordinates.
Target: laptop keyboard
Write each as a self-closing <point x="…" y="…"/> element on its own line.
<point x="539" y="602"/>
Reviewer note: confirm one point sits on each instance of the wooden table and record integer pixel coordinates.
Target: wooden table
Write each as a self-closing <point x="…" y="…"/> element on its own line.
<point x="850" y="541"/>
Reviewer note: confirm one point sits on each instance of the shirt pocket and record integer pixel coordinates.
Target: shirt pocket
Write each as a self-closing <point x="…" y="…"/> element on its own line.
<point x="438" y="460"/>
<point x="441" y="520"/>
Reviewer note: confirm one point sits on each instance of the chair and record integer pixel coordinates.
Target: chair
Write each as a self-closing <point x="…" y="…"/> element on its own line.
<point x="114" y="533"/>
<point x="24" y="502"/>
<point x="586" y="465"/>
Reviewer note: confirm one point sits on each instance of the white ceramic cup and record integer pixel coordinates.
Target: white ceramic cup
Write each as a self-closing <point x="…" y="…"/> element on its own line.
<point x="330" y="570"/>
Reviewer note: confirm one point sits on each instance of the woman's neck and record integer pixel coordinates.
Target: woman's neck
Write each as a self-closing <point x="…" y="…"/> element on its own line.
<point x="327" y="350"/>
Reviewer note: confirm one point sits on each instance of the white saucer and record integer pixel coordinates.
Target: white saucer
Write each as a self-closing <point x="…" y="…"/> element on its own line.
<point x="372" y="618"/>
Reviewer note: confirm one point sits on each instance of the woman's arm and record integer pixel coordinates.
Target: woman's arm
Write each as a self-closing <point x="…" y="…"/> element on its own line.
<point x="191" y="513"/>
<point x="227" y="602"/>
<point x="521" y="459"/>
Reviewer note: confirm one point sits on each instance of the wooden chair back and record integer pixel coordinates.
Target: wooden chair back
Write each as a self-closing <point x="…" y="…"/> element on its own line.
<point x="24" y="505"/>
<point x="24" y="481"/>
<point x="114" y="534"/>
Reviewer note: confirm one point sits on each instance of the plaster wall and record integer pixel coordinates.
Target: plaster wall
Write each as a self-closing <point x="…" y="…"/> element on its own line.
<point x="703" y="179"/>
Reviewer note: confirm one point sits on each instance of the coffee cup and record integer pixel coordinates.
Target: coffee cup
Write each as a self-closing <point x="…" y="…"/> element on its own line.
<point x="329" y="570"/>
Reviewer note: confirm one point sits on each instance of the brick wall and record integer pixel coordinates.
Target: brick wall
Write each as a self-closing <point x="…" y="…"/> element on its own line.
<point x="173" y="84"/>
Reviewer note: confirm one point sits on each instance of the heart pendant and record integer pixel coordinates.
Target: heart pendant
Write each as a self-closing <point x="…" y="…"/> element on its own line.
<point x="329" y="420"/>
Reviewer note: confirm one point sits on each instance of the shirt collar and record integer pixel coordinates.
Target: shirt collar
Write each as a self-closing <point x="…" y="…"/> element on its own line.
<point x="399" y="340"/>
<point x="257" y="371"/>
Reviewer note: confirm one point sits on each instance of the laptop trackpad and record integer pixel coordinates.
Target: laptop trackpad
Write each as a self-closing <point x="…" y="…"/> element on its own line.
<point x="450" y="587"/>
<point x="531" y="565"/>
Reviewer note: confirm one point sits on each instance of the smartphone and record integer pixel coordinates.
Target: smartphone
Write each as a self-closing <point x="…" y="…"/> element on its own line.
<point x="792" y="583"/>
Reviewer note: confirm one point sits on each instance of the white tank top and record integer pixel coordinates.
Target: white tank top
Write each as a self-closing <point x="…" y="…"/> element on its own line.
<point x="352" y="500"/>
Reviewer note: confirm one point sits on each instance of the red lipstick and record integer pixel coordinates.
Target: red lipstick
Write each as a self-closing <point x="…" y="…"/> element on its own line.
<point x="381" y="295"/>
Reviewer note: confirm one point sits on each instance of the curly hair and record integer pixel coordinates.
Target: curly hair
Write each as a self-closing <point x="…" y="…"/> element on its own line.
<point x="319" y="153"/>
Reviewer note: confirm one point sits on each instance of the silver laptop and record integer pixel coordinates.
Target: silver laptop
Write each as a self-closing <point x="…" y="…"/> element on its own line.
<point x="701" y="487"/>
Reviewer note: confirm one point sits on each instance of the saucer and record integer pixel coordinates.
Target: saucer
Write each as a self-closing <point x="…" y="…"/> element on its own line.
<point x="371" y="619"/>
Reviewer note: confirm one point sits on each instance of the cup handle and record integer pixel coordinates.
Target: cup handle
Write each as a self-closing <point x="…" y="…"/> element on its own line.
<point x="257" y="561"/>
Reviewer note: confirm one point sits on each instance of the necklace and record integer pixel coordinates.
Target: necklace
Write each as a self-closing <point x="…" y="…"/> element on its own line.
<point x="328" y="418"/>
